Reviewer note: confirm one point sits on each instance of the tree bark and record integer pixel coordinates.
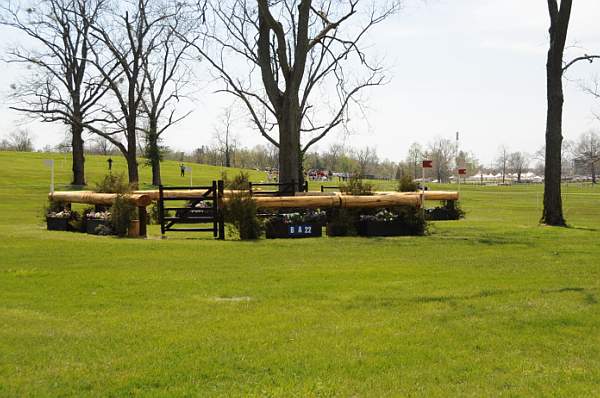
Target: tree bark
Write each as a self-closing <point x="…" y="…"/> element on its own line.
<point x="131" y="156"/>
<point x="289" y="142"/>
<point x="78" y="155"/>
<point x="155" y="160"/>
<point x="553" y="212"/>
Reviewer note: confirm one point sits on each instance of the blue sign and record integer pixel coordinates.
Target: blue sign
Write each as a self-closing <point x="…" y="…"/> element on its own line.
<point x="300" y="230"/>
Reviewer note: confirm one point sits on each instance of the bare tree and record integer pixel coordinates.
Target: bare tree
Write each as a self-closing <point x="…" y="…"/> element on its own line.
<point x="587" y="152"/>
<point x="102" y="146"/>
<point x="127" y="38"/>
<point x="300" y="50"/>
<point x="224" y="136"/>
<point x="60" y="87"/>
<point x="502" y="161"/>
<point x="414" y="158"/>
<point x="365" y="159"/>
<point x="167" y="76"/>
<point x="20" y="141"/>
<point x="518" y="162"/>
<point x="555" y="69"/>
<point x="469" y="161"/>
<point x="442" y="153"/>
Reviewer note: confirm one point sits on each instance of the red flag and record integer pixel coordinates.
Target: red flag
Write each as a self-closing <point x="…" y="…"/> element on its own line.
<point x="428" y="164"/>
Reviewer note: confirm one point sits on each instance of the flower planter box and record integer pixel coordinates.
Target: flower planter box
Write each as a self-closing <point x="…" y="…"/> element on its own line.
<point x="381" y="228"/>
<point x="92" y="223"/>
<point x="288" y="231"/>
<point x="57" y="224"/>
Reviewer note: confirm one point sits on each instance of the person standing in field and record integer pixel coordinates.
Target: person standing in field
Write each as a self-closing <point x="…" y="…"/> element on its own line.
<point x="182" y="169"/>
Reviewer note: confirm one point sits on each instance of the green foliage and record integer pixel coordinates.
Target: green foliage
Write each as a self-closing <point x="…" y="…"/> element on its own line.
<point x="450" y="210"/>
<point x="357" y="186"/>
<point x="342" y="222"/>
<point x="113" y="183"/>
<point x="240" y="214"/>
<point x="240" y="182"/>
<point x="122" y="212"/>
<point x="76" y="223"/>
<point x="406" y="184"/>
<point x="412" y="219"/>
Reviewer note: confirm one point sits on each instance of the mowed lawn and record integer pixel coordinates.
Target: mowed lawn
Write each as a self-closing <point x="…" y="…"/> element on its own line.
<point x="488" y="306"/>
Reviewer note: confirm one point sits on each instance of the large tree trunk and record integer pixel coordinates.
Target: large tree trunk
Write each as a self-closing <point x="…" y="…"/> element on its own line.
<point x="289" y="144"/>
<point x="78" y="155"/>
<point x="153" y="153"/>
<point x="132" y="165"/>
<point x="553" y="213"/>
<point x="227" y="156"/>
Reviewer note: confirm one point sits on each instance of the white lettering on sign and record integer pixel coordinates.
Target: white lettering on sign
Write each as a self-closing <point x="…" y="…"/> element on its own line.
<point x="308" y="230"/>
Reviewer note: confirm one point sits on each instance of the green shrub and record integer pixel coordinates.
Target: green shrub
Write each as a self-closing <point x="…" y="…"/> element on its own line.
<point x="357" y="186"/>
<point x="113" y="183"/>
<point x="122" y="212"/>
<point x="412" y="218"/>
<point x="342" y="222"/>
<point x="52" y="208"/>
<point x="450" y="210"/>
<point x="240" y="182"/>
<point x="240" y="215"/>
<point x="406" y="184"/>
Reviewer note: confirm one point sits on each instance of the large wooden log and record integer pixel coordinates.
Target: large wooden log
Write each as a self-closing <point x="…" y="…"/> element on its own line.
<point x="286" y="202"/>
<point x="94" y="198"/>
<point x="391" y="200"/>
<point x="347" y="201"/>
<point x="429" y="195"/>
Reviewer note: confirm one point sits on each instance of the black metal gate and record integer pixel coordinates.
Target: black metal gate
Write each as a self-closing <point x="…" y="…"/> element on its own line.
<point x="197" y="209"/>
<point x="282" y="189"/>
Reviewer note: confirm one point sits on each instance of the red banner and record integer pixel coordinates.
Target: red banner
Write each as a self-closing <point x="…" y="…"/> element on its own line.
<point x="428" y="164"/>
<point x="462" y="172"/>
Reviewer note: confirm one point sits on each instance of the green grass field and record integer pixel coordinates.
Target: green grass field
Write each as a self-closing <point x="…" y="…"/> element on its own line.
<point x="493" y="305"/>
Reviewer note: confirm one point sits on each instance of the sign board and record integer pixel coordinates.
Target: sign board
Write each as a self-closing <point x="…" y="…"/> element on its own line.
<point x="462" y="172"/>
<point x="428" y="164"/>
<point x="299" y="230"/>
<point x="50" y="163"/>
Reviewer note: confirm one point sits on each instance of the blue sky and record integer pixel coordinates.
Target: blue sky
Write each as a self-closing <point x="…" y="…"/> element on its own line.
<point x="474" y="66"/>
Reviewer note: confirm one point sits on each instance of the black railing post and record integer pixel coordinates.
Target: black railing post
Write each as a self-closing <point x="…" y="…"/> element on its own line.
<point x="161" y="212"/>
<point x="220" y="213"/>
<point x="215" y="196"/>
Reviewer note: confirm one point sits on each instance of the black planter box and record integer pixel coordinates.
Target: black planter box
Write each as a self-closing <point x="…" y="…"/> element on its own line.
<point x="92" y="223"/>
<point x="381" y="228"/>
<point x="338" y="230"/>
<point x="289" y="231"/>
<point x="57" y="224"/>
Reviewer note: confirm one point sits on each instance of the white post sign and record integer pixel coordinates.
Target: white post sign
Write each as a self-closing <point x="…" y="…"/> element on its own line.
<point x="188" y="169"/>
<point x="50" y="163"/>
